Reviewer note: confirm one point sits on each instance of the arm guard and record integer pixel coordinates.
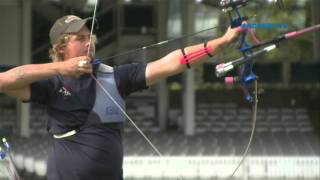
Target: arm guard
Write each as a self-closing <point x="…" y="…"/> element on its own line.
<point x="196" y="55"/>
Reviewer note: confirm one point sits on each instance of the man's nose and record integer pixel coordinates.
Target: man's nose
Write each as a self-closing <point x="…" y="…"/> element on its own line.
<point x="89" y="43"/>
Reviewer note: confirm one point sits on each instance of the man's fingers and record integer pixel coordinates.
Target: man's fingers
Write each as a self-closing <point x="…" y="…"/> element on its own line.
<point x="85" y="68"/>
<point x="82" y="63"/>
<point x="239" y="29"/>
<point x="83" y="60"/>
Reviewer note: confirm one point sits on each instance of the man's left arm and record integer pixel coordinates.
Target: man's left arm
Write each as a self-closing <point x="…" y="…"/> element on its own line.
<point x="171" y="64"/>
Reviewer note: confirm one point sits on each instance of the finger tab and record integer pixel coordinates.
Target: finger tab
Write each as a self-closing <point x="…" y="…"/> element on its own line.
<point x="82" y="63"/>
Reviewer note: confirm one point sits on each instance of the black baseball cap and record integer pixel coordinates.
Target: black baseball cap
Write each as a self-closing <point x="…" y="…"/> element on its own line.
<point x="67" y="24"/>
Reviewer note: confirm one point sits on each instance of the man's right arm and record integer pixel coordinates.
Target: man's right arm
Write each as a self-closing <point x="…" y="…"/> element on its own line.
<point x="16" y="82"/>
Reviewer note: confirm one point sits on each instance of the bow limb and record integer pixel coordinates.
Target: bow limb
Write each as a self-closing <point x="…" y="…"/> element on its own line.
<point x="254" y="120"/>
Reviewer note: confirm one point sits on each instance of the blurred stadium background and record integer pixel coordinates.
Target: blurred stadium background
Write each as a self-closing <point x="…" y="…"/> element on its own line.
<point x="200" y="125"/>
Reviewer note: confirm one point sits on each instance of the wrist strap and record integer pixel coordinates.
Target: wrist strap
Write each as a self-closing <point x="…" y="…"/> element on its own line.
<point x="206" y="48"/>
<point x="185" y="57"/>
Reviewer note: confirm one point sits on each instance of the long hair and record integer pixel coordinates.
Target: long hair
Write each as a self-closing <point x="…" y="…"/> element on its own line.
<point x="54" y="53"/>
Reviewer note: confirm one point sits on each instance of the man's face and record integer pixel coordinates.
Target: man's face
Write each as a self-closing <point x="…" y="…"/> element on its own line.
<point x="78" y="45"/>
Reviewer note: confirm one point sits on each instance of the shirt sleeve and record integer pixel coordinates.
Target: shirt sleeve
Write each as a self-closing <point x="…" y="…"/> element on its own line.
<point x="130" y="78"/>
<point x="40" y="91"/>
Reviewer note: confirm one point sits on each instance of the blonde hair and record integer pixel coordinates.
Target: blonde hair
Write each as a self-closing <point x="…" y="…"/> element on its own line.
<point x="54" y="53"/>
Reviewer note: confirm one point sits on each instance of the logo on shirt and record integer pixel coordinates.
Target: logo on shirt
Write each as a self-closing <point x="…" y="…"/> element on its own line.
<point x="64" y="92"/>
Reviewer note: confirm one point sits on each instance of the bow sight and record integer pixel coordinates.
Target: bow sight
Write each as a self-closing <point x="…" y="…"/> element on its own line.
<point x="228" y="5"/>
<point x="233" y="5"/>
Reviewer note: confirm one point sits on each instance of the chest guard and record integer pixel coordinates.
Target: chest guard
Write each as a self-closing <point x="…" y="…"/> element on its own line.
<point x="104" y="107"/>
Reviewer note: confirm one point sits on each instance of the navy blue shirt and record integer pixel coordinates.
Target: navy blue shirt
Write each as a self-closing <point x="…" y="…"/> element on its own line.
<point x="95" y="152"/>
<point x="69" y="101"/>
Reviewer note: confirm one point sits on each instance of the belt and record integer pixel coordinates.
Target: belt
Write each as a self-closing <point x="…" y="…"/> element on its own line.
<point x="64" y="135"/>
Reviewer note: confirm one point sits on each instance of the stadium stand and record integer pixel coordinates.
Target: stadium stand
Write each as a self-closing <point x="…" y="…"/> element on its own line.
<point x="222" y="132"/>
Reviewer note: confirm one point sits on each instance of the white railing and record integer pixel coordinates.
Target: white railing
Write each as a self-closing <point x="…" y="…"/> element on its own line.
<point x="254" y="167"/>
<point x="215" y="167"/>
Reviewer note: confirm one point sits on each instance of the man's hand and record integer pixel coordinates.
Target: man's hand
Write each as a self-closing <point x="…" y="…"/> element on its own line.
<point x="231" y="34"/>
<point x="75" y="67"/>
